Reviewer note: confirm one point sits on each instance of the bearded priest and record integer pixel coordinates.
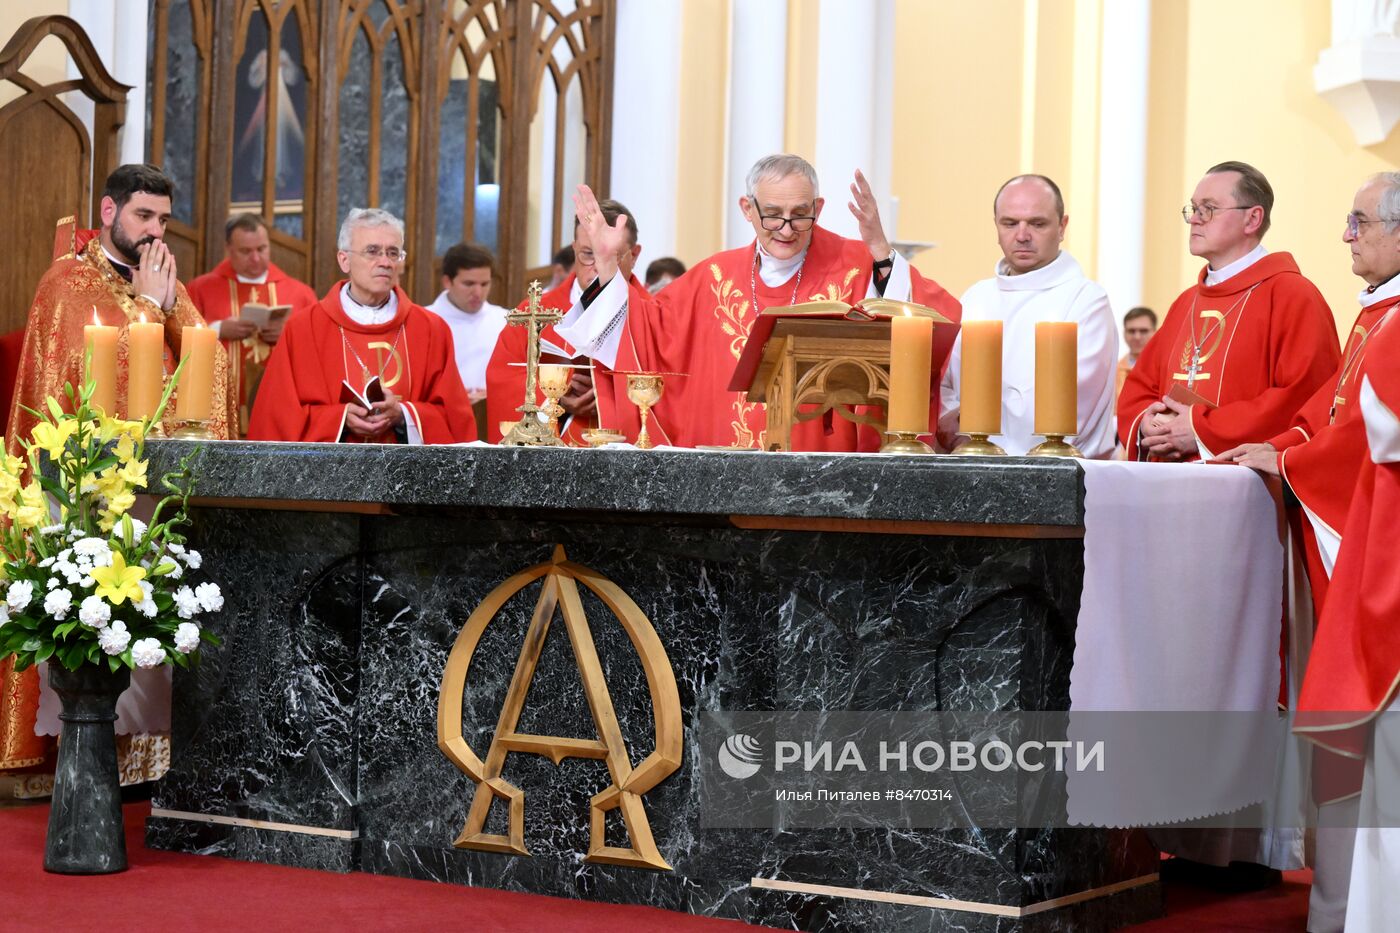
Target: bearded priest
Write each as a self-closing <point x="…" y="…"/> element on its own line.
<point x="365" y="364"/>
<point x="698" y="325"/>
<point x="120" y="274"/>
<point x="1241" y="350"/>
<point x="247" y="276"/>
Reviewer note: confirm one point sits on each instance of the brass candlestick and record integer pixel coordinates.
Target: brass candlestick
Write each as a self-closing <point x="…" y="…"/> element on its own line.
<point x="904" y="442"/>
<point x="979" y="445"/>
<point x="529" y="431"/>
<point x="644" y="390"/>
<point x="194" y="430"/>
<point x="1055" y="445"/>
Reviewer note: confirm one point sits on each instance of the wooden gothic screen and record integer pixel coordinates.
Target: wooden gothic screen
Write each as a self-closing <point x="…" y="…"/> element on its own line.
<point x="471" y="119"/>
<point x="62" y="177"/>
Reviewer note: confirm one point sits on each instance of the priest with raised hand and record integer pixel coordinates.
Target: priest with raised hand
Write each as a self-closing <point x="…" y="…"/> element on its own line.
<point x="1037" y="281"/>
<point x="365" y="364"/>
<point x="247" y="276"/>
<point x="698" y="325"/>
<point x="597" y="396"/>
<point x="1240" y="351"/>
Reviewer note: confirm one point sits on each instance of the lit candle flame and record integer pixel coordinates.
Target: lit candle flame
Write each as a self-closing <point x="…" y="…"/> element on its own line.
<point x="95" y="320"/>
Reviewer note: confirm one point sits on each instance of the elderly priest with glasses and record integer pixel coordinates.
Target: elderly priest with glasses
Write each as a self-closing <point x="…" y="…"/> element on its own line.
<point x="366" y="364"/>
<point x="699" y="324"/>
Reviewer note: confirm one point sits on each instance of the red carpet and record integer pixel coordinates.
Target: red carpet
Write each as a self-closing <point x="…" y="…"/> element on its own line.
<point x="170" y="891"/>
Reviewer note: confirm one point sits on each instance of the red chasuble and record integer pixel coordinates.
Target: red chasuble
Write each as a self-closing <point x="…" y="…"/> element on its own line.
<point x="219" y="295"/>
<point x="1321" y="454"/>
<point x="505" y="380"/>
<point x="698" y="326"/>
<point x="1354" y="668"/>
<point x="1256" y="346"/>
<point x="301" y="395"/>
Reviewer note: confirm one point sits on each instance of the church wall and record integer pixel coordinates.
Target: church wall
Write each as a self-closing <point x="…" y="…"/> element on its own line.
<point x="957" y="126"/>
<point x="1248" y="94"/>
<point x="49" y="63"/>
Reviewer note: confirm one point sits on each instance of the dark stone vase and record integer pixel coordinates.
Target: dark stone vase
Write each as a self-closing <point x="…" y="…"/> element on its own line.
<point x="86" y="836"/>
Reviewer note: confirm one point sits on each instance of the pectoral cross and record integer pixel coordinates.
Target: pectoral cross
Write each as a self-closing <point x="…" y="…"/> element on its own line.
<point x="1194" y="370"/>
<point x="253" y="296"/>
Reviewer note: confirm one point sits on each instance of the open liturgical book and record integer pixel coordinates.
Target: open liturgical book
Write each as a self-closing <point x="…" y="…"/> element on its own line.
<point x="372" y="392"/>
<point x="262" y="315"/>
<point x="868" y="311"/>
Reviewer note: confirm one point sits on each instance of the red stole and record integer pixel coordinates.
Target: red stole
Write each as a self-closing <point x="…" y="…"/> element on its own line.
<point x="1255" y="346"/>
<point x="698" y="326"/>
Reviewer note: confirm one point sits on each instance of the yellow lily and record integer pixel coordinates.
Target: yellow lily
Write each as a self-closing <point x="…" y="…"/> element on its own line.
<point x="118" y="583"/>
<point x="53" y="437"/>
<point x="134" y="473"/>
<point x="33" y="506"/>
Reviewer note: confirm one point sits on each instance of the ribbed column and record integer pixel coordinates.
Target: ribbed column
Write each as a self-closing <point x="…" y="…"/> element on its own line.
<point x="646" y="119"/>
<point x="757" y="99"/>
<point x="854" y="105"/>
<point x="1122" y="199"/>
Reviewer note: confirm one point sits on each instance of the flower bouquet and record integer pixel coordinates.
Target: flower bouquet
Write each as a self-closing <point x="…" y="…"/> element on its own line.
<point x="95" y="592"/>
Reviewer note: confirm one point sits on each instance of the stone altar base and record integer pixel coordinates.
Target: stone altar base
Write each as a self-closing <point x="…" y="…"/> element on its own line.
<point x="310" y="737"/>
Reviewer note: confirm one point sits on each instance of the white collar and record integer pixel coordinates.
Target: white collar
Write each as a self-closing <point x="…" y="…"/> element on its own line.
<point x="366" y="315"/>
<point x="114" y="260"/>
<point x="1216" y="276"/>
<point x="775" y="272"/>
<point x="1059" y="270"/>
<point x="1386" y="291"/>
<point x="257" y="281"/>
<point x="575" y="293"/>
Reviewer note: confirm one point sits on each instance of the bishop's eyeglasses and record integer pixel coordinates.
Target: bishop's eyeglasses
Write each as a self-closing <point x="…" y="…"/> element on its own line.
<point x="776" y="222"/>
<point x="1207" y="211"/>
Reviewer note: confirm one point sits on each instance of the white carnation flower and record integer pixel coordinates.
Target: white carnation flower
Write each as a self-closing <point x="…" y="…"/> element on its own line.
<point x="47" y="561"/>
<point x="88" y="581"/>
<point x="114" y="638"/>
<point x="102" y="560"/>
<point x="194" y="560"/>
<point x="51" y="582"/>
<point x="20" y="594"/>
<point x="4" y="614"/>
<point x="148" y="653"/>
<point x="147" y="605"/>
<point x="186" y="637"/>
<point x="95" y="612"/>
<point x="186" y="603"/>
<point x="57" y="603"/>
<point x="51" y="529"/>
<point x="91" y="547"/>
<point x="209" y="596"/>
<point x="176" y="571"/>
<point x="174" y="548"/>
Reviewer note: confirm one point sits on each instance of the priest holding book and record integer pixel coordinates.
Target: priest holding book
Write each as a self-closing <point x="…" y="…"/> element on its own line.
<point x="365" y="365"/>
<point x="246" y="299"/>
<point x="698" y="326"/>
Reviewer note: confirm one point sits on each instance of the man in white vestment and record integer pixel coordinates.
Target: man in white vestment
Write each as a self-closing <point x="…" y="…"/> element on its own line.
<point x="475" y="322"/>
<point x="1038" y="281"/>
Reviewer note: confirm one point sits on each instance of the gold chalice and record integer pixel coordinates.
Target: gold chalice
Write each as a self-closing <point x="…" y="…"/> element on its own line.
<point x="554" y="380"/>
<point x="644" y="391"/>
<point x="506" y="427"/>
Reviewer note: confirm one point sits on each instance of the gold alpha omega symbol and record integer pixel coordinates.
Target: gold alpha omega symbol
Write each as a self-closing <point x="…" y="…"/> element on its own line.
<point x="560" y="588"/>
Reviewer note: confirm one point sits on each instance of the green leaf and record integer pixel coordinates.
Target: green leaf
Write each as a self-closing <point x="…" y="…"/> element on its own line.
<point x="61" y="631"/>
<point x="54" y="408"/>
<point x="44" y="653"/>
<point x="31" y="645"/>
<point x="114" y="663"/>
